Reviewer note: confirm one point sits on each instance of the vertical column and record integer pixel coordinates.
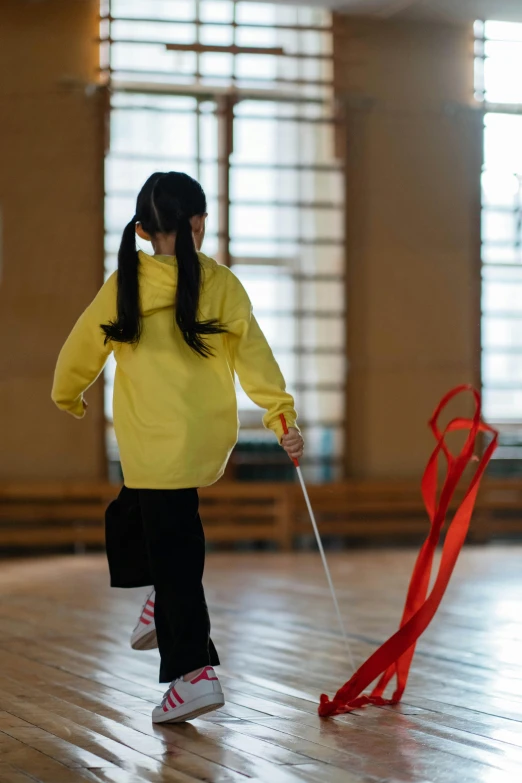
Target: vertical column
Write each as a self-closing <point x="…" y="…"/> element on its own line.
<point x="413" y="163"/>
<point x="51" y="191"/>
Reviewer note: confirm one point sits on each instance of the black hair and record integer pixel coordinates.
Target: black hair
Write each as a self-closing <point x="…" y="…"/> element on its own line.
<point x="165" y="205"/>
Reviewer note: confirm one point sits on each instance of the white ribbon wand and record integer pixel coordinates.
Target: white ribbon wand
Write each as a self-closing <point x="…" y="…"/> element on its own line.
<point x="321" y="550"/>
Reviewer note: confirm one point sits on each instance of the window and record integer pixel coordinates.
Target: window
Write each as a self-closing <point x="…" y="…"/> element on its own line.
<point x="240" y="96"/>
<point x="498" y="65"/>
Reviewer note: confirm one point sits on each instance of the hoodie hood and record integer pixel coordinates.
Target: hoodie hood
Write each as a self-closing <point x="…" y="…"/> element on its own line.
<point x="159" y="280"/>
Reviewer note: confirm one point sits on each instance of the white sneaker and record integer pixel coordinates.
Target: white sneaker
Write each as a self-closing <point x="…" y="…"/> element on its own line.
<point x="187" y="700"/>
<point x="144" y="635"/>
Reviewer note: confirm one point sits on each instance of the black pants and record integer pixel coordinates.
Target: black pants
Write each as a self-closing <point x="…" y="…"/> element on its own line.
<point x="155" y="537"/>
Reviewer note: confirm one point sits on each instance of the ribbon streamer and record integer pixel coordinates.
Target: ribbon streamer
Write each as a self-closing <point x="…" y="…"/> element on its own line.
<point x="394" y="657"/>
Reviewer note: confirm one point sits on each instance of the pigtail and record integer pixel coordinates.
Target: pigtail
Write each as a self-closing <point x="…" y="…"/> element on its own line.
<point x="127" y="327"/>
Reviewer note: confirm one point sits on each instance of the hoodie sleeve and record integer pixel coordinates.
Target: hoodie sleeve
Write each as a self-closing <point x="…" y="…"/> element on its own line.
<point x="254" y="362"/>
<point x="84" y="354"/>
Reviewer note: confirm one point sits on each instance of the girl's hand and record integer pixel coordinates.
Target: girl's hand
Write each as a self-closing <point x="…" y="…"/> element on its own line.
<point x="293" y="443"/>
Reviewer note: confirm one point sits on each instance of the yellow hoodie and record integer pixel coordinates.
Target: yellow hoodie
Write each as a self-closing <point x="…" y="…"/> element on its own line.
<point x="175" y="413"/>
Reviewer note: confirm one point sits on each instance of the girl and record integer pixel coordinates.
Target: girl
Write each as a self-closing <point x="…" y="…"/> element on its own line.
<point x="180" y="327"/>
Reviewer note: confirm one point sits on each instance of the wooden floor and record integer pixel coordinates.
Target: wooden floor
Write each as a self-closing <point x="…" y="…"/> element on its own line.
<point x="75" y="700"/>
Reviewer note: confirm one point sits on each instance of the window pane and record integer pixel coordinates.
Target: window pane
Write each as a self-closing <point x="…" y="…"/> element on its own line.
<point x="322" y="224"/>
<point x="148" y="132"/>
<point x="325" y="441"/>
<point x="502" y="333"/>
<point x="264" y="248"/>
<point x="323" y="369"/>
<point x="323" y="260"/>
<point x="267" y="140"/>
<point x="320" y="332"/>
<point x="216" y="11"/>
<point x="502" y="67"/>
<point x="255" y="13"/>
<point x="500" y="225"/>
<point x="264" y="185"/>
<point x="270" y="109"/>
<point x="118" y="212"/>
<point x="255" y="141"/>
<point x="500" y="189"/>
<point x="216" y="64"/>
<point x="271" y="185"/>
<point x="209" y="180"/>
<point x="498" y="297"/>
<point x="495" y="254"/>
<point x="210" y="245"/>
<point x="125" y="174"/>
<point x="153" y="57"/>
<point x="502" y="148"/>
<point x="208" y="128"/>
<point x="325" y="185"/>
<point x="503" y="31"/>
<point x="212" y="35"/>
<point x="269" y="288"/>
<point x="176" y="103"/>
<point x="322" y="296"/>
<point x="266" y="222"/>
<point x="153" y="31"/>
<point x="280" y="331"/>
<point x="495" y="274"/>
<point x="502" y="369"/>
<point x="503" y="405"/>
<point x="154" y="9"/>
<point x="256" y="66"/>
<point x="322" y="406"/>
<point x="250" y="36"/>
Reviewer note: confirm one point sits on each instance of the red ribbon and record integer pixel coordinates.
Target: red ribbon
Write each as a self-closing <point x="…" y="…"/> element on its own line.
<point x="394" y="657"/>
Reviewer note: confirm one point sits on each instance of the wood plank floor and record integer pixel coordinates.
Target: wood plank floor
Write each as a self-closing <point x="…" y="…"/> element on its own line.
<point x="75" y="700"/>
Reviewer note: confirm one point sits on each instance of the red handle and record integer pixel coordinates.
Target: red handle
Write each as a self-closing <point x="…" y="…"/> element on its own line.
<point x="285" y="430"/>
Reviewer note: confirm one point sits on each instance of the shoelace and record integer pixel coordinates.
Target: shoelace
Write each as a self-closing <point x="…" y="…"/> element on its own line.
<point x="143" y="607"/>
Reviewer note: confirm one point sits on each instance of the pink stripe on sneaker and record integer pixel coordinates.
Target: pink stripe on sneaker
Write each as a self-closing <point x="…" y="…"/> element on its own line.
<point x="171" y="701"/>
<point x="176" y="694"/>
<point x="148" y="613"/>
<point x="145" y="622"/>
<point x="150" y="603"/>
<point x="203" y="676"/>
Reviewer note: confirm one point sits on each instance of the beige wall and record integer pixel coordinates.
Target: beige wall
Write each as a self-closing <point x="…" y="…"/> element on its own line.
<point x="51" y="197"/>
<point x="413" y="158"/>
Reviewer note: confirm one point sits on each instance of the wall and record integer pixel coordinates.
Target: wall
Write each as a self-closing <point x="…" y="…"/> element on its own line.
<point x="413" y="158"/>
<point x="51" y="197"/>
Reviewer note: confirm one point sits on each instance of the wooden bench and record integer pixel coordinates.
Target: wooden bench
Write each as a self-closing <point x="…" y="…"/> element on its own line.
<point x="365" y="509"/>
<point x="256" y="511"/>
<point x="53" y="513"/>
<point x="499" y="509"/>
<point x="72" y="513"/>
<point x="362" y="509"/>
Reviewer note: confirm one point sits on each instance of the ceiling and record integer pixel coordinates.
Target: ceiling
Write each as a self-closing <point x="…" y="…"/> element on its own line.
<point x="438" y="10"/>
